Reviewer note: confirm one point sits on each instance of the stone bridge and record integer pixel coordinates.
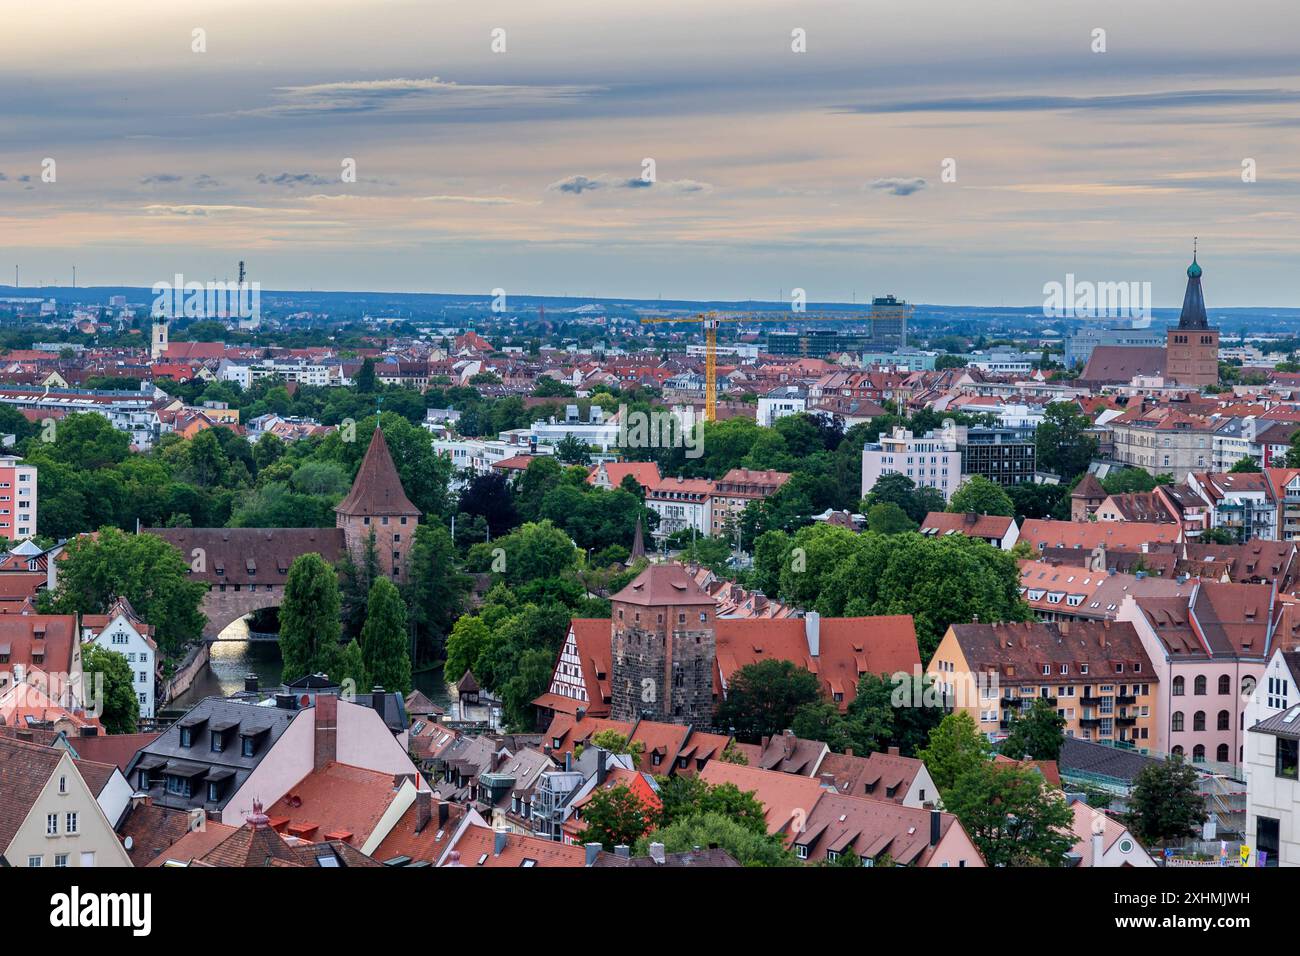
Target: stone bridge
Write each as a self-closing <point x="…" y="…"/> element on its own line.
<point x="246" y="568"/>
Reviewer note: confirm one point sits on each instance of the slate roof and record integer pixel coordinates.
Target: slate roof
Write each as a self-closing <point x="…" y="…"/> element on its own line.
<point x="1082" y="756"/>
<point x="1119" y="364"/>
<point x="1285" y="723"/>
<point x="167" y="753"/>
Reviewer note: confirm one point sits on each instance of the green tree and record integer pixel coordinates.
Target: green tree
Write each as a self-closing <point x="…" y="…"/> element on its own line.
<point x="1012" y="816"/>
<point x="1038" y="734"/>
<point x="366" y="380"/>
<point x="685" y="796"/>
<point x="616" y="816"/>
<point x="357" y="577"/>
<point x="714" y="829"/>
<point x="1063" y="445"/>
<point x="979" y="495"/>
<point x="151" y="573"/>
<point x="384" y="639"/>
<point x="1217" y="536"/>
<point x="616" y="743"/>
<point x="572" y="450"/>
<point x="1165" y="806"/>
<point x="120" y="712"/>
<point x="888" y="518"/>
<point x="309" y="617"/>
<point x="763" y="698"/>
<point x="956" y="747"/>
<point x="1245" y="464"/>
<point x="436" y="589"/>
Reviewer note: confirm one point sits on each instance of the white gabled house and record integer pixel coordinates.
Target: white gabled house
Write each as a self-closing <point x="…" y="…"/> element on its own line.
<point x="123" y="631"/>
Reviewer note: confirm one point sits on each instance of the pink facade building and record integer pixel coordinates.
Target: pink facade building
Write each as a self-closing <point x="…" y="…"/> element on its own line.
<point x="932" y="460"/>
<point x="1209" y="650"/>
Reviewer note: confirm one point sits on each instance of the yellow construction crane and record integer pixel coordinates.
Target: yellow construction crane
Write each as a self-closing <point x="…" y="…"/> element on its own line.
<point x="883" y="308"/>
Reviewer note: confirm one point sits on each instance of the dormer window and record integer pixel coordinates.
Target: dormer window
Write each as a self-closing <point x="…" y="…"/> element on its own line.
<point x="187" y="737"/>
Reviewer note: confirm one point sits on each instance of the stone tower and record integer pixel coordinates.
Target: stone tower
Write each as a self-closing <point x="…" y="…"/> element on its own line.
<point x="664" y="648"/>
<point x="377" y="504"/>
<point x="158" y="343"/>
<point x="1192" y="347"/>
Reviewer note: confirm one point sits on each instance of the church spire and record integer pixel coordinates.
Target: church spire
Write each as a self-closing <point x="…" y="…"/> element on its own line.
<point x="1193" y="314"/>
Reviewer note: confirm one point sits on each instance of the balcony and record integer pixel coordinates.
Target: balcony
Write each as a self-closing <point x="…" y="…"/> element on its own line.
<point x="1126" y="699"/>
<point x="1089" y="700"/>
<point x="1089" y="721"/>
<point x="1126" y="721"/>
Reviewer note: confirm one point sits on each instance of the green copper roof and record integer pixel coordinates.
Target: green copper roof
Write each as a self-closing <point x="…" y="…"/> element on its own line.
<point x="1194" y="269"/>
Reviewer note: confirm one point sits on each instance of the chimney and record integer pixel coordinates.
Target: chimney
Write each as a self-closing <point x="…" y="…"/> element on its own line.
<point x="250" y="684"/>
<point x="327" y="716"/>
<point x="286" y="702"/>
<point x="568" y="760"/>
<point x="593" y="851"/>
<point x="444" y="813"/>
<point x="657" y="853"/>
<point x="499" y="838"/>
<point x="893" y="751"/>
<point x="379" y="701"/>
<point x="1097" y="849"/>
<point x="141" y="800"/>
<point x="848" y="751"/>
<point x="812" y="629"/>
<point x="423" y="809"/>
<point x="935" y="818"/>
<point x="827" y="780"/>
<point x="601" y="757"/>
<point x="623" y="850"/>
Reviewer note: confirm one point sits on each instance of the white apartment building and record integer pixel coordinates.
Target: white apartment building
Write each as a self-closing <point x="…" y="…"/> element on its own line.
<point x="1273" y="788"/>
<point x="781" y="401"/>
<point x="682" y="504"/>
<point x="245" y="374"/>
<point x="931" y="460"/>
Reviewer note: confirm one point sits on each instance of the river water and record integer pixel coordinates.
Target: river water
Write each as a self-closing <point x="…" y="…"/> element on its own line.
<point x="236" y="656"/>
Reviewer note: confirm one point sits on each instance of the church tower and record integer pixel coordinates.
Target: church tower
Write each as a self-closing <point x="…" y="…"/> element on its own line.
<point x="1192" y="347"/>
<point x="158" y="343"/>
<point x="377" y="505"/>
<point x="664" y="649"/>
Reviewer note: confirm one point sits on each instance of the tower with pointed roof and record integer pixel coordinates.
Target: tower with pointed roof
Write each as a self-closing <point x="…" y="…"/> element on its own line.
<point x="663" y="648"/>
<point x="1192" y="347"/>
<point x="377" y="505"/>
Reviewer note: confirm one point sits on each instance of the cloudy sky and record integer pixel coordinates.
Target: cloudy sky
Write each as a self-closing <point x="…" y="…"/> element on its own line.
<point x="773" y="169"/>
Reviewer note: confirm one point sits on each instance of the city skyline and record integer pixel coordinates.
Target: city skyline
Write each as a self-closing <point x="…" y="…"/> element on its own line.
<point x="774" y="170"/>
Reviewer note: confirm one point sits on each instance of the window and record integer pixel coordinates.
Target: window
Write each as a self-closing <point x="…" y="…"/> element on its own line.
<point x="1179" y="685"/>
<point x="1200" y="686"/>
<point x="1222" y="754"/>
<point x="34" y="861"/>
<point x="63" y="784"/>
<point x="61" y="859"/>
<point x="1198" y="720"/>
<point x="51" y="824"/>
<point x="187" y="737"/>
<point x="1225" y="684"/>
<point x="71" y="822"/>
<point x="800" y="850"/>
<point x="1177" y="722"/>
<point x="1224" y="720"/>
<point x="1288" y="758"/>
<point x="1198" y="753"/>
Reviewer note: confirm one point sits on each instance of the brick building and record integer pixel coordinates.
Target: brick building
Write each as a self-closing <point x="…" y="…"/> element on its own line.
<point x="378" y="506"/>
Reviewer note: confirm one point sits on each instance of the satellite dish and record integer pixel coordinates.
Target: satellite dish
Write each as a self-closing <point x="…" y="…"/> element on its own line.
<point x="128" y="843"/>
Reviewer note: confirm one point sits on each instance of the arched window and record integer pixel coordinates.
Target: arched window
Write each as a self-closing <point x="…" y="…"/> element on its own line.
<point x="1177" y="751"/>
<point x="1198" y="753"/>
<point x="1225" y="684"/>
<point x="1178" y="687"/>
<point x="1198" y="721"/>
<point x="1225" y="720"/>
<point x="1221" y="755"/>
<point x="1178" y="720"/>
<point x="1200" y="685"/>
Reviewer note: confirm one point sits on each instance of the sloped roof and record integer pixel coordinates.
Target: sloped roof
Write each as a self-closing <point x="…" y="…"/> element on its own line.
<point x="377" y="489"/>
<point x="663" y="584"/>
<point x="25" y="769"/>
<point x="939" y="523"/>
<point x="1119" y="364"/>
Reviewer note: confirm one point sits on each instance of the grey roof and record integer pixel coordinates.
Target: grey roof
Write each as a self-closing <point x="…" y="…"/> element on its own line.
<point x="199" y="761"/>
<point x="1082" y="756"/>
<point x="1285" y="723"/>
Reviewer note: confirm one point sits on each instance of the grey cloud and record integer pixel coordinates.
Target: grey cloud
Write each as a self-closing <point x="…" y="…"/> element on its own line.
<point x="578" y="184"/>
<point x="293" y="180"/>
<point x="157" y="178"/>
<point x="1169" y="99"/>
<point x="898" y="186"/>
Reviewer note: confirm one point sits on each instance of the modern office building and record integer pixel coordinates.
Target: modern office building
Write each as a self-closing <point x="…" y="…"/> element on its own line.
<point x="1005" y="456"/>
